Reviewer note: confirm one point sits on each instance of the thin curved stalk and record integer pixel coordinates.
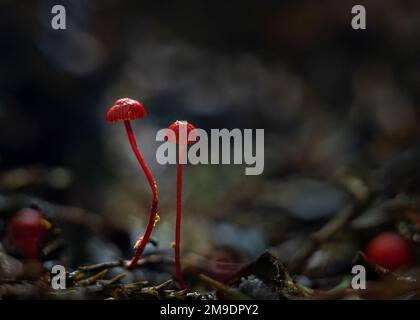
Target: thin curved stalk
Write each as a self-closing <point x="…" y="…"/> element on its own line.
<point x="153" y="187"/>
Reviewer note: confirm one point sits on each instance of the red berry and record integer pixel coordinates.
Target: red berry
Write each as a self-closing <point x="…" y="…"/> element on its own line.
<point x="25" y="230"/>
<point x="389" y="250"/>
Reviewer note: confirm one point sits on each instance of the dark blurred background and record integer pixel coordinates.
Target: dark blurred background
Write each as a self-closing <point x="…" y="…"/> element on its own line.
<point x="329" y="97"/>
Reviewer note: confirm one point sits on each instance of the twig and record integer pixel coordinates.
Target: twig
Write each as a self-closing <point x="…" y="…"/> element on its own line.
<point x="162" y="285"/>
<point x="222" y="289"/>
<point x="105" y="265"/>
<point x="321" y="236"/>
<point x="381" y="270"/>
<point x="153" y="258"/>
<point x="115" y="279"/>
<point x="93" y="278"/>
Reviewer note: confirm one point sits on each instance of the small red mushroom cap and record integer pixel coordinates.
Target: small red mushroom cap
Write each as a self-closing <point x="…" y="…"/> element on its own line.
<point x="177" y="127"/>
<point x="125" y="109"/>
<point x="389" y="250"/>
<point x="25" y="230"/>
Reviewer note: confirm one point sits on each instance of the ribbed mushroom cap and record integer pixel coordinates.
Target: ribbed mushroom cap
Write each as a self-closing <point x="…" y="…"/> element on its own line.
<point x="178" y="126"/>
<point x="125" y="109"/>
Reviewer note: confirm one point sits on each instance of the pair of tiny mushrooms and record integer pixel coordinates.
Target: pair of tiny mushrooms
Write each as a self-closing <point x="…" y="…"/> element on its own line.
<point x="126" y="110"/>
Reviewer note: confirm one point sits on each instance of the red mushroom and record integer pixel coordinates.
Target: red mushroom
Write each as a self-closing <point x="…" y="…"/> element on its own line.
<point x="25" y="231"/>
<point x="389" y="250"/>
<point x="127" y="109"/>
<point x="181" y="130"/>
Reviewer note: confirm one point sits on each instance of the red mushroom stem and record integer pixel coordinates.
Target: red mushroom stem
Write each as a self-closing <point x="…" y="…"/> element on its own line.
<point x="178" y="220"/>
<point x="181" y="139"/>
<point x="153" y="211"/>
